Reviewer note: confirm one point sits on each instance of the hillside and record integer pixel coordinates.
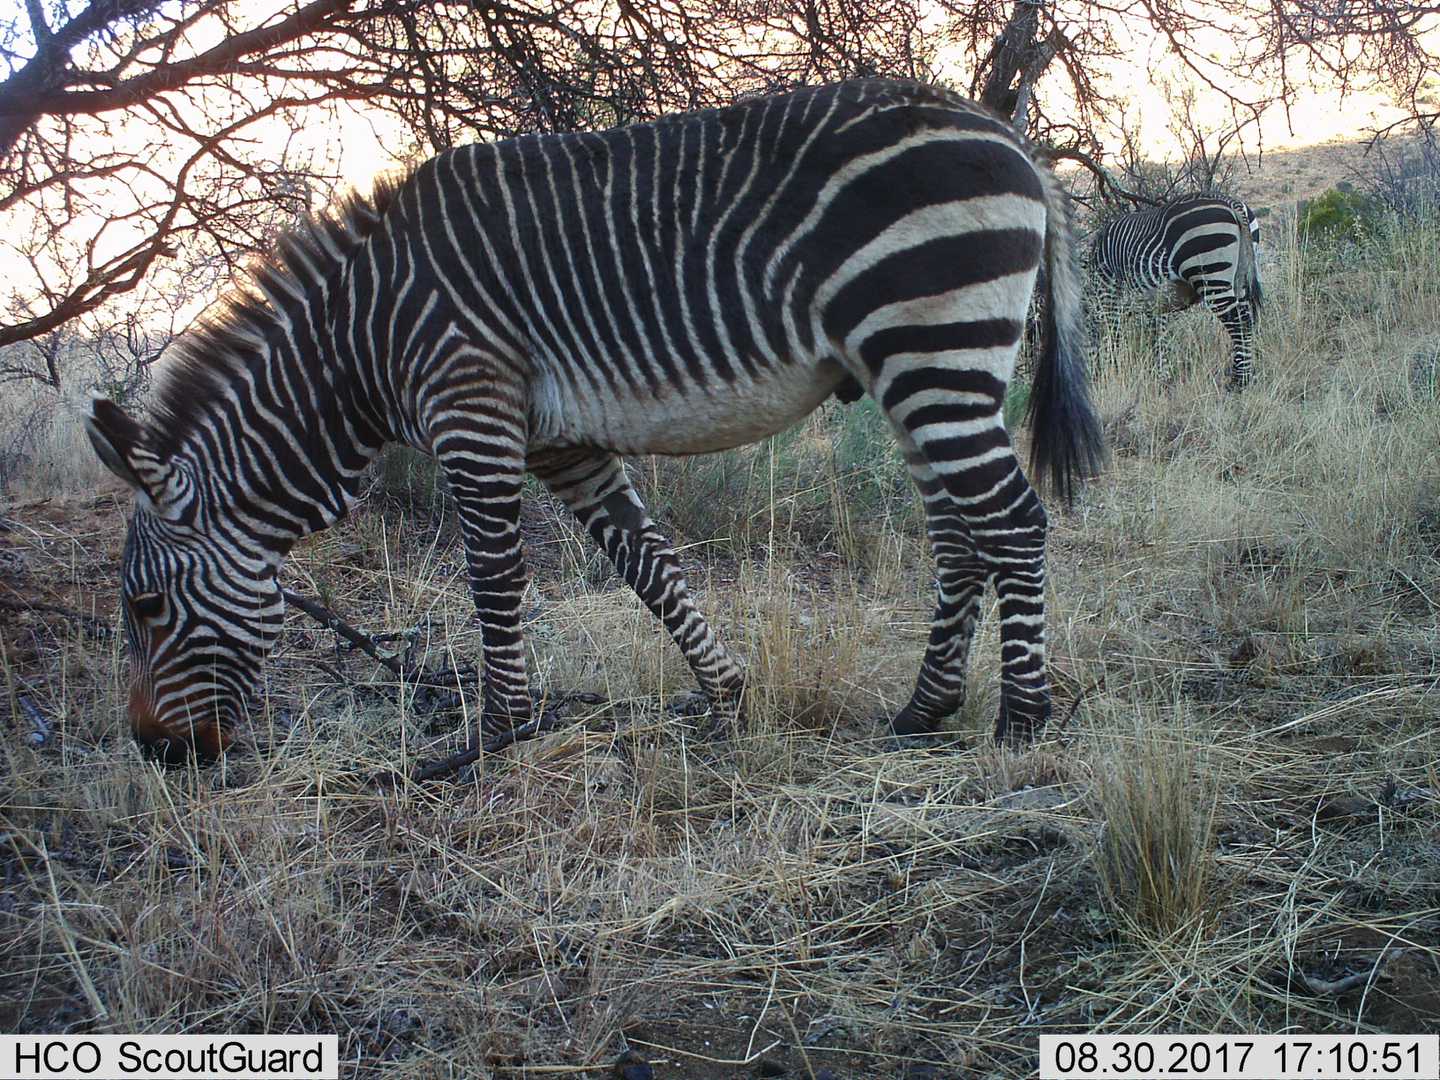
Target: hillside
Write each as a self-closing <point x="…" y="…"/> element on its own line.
<point x="1233" y="823"/>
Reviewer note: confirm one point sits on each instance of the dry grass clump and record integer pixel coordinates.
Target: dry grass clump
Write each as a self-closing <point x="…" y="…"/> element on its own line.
<point x="43" y="448"/>
<point x="1155" y="862"/>
<point x="1233" y="831"/>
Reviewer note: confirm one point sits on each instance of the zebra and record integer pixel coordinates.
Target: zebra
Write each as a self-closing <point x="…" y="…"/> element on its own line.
<point x="552" y="303"/>
<point x="1194" y="248"/>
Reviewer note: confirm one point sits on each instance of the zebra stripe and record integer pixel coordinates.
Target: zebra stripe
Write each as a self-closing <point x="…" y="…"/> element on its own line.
<point x="1198" y="248"/>
<point x="552" y="303"/>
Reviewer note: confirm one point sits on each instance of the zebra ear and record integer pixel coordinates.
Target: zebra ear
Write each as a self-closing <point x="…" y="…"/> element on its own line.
<point x="124" y="447"/>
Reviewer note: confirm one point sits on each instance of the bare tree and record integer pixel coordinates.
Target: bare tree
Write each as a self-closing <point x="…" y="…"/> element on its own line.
<point x="135" y="134"/>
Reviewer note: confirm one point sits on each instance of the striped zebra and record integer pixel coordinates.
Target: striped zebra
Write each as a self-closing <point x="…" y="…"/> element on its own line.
<point x="1195" y="248"/>
<point x="550" y="303"/>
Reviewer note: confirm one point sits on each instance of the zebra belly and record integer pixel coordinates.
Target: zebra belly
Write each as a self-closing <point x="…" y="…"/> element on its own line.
<point x="682" y="420"/>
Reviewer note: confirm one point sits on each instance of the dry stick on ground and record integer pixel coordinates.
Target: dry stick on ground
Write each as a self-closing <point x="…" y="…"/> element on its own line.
<point x="448" y="678"/>
<point x="471" y="754"/>
<point x="1064" y="721"/>
<point x="1335" y="987"/>
<point x="445" y="679"/>
<point x="40" y="733"/>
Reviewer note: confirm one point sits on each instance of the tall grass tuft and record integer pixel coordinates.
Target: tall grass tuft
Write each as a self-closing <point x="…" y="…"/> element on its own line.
<point x="1156" y="861"/>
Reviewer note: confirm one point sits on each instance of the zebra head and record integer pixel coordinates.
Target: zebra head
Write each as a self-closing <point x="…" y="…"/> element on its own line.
<point x="200" y="610"/>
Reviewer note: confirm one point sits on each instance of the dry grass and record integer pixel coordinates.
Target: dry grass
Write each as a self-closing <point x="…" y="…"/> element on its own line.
<point x="1245" y="805"/>
<point x="43" y="448"/>
<point x="1157" y="812"/>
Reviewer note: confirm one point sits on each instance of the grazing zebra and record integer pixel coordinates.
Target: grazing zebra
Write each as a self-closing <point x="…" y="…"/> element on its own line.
<point x="549" y="303"/>
<point x="1195" y="248"/>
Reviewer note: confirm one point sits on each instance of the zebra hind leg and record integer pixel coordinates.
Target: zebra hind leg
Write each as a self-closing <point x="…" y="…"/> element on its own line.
<point x="978" y="493"/>
<point x="486" y="479"/>
<point x="1238" y="319"/>
<point x="595" y="488"/>
<point x="960" y="577"/>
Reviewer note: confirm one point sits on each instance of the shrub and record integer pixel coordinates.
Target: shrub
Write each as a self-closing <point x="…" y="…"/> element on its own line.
<point x="409" y="477"/>
<point x="1337" y="215"/>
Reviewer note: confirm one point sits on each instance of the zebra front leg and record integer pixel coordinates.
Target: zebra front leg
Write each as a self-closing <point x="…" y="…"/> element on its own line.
<point x="595" y="488"/>
<point x="485" y="477"/>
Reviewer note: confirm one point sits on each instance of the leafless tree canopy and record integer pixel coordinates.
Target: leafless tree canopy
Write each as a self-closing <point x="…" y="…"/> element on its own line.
<point x="136" y="135"/>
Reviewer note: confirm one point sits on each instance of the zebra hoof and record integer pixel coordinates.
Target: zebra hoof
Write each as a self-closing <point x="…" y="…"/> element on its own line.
<point x="716" y="718"/>
<point x="1019" y="723"/>
<point x="907" y="723"/>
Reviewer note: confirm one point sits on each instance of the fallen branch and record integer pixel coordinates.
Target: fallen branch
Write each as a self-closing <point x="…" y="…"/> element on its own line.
<point x="446" y="679"/>
<point x="451" y="677"/>
<point x="40" y="733"/>
<point x="471" y="754"/>
<point x="1057" y="726"/>
<point x="1335" y="987"/>
<point x="548" y="720"/>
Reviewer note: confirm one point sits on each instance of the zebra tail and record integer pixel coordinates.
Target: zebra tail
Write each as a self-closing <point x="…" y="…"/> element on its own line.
<point x="1247" y="269"/>
<point x="1067" y="443"/>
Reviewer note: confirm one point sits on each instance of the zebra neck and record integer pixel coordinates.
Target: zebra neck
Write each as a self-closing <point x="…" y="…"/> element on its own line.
<point x="285" y="447"/>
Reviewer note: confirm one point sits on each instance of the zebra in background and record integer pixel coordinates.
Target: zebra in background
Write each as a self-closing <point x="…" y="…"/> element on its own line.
<point x="1194" y="249"/>
<point x="550" y="303"/>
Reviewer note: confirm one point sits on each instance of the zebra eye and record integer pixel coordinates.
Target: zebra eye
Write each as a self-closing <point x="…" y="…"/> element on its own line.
<point x="150" y="605"/>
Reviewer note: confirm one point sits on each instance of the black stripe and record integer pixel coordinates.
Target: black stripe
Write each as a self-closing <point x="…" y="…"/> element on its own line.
<point x="937" y="338"/>
<point x="931" y="269"/>
<point x="957" y="380"/>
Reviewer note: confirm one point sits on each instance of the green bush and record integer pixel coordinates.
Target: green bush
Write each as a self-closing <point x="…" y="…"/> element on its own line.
<point x="1339" y="214"/>
<point x="1017" y="401"/>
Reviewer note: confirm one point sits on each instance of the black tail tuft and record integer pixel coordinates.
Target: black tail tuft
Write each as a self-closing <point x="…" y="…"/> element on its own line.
<point x="1067" y="444"/>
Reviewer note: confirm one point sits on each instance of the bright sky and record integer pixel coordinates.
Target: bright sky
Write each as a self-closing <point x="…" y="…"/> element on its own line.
<point x="1319" y="115"/>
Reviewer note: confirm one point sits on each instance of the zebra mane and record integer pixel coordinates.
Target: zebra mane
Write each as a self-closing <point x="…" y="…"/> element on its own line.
<point x="229" y="339"/>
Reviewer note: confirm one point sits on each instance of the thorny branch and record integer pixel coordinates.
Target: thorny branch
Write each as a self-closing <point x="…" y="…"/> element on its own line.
<point x="448" y="679"/>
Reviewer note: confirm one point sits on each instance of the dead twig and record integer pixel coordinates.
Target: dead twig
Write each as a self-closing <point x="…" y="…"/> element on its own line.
<point x="39" y="734"/>
<point x="448" y="678"/>
<point x="471" y="754"/>
<point x="550" y="716"/>
<point x="1335" y="987"/>
<point x="1064" y="721"/>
